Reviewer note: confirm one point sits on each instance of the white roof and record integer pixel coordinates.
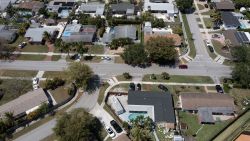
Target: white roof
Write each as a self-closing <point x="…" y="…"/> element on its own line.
<point x="169" y="7"/>
<point x="116" y="105"/>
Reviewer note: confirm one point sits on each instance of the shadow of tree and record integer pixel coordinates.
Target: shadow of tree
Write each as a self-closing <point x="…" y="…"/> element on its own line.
<point x="93" y="84"/>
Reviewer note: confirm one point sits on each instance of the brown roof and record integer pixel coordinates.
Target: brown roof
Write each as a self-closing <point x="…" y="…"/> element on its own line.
<point x="32" y="5"/>
<point x="230" y="35"/>
<point x="192" y="101"/>
<point x="24" y="102"/>
<point x="224" y="5"/>
<point x="176" y="38"/>
<point x="245" y="136"/>
<point x="122" y="137"/>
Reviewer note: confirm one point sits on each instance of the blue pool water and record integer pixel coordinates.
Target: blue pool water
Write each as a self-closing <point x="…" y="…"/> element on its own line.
<point x="243" y="26"/>
<point x="134" y="115"/>
<point x="66" y="34"/>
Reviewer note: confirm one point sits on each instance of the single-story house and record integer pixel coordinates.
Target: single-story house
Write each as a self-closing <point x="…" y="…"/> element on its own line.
<point x="122" y="31"/>
<point x="224" y="6"/>
<point x="25" y="103"/>
<point x="229" y="21"/>
<point x="79" y="33"/>
<point x="209" y="107"/>
<point x="148" y="29"/>
<point x="6" y="34"/>
<point x="58" y="5"/>
<point x="34" y="6"/>
<point x="237" y="38"/>
<point x="122" y="9"/>
<point x="175" y="37"/>
<point x="92" y="8"/>
<point x="5" y="3"/>
<point x="157" y="105"/>
<point x="160" y="6"/>
<point x="35" y="35"/>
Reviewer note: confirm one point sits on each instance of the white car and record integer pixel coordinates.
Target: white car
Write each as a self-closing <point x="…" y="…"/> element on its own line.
<point x="23" y="44"/>
<point x="106" y="58"/>
<point x="207" y="43"/>
<point x="110" y="131"/>
<point x="35" y="81"/>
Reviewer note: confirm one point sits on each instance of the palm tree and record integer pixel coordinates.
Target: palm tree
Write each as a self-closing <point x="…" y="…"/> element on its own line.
<point x="9" y="119"/>
<point x="65" y="47"/>
<point x="46" y="36"/>
<point x="216" y="17"/>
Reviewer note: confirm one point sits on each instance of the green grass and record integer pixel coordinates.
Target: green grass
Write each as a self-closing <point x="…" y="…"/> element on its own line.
<point x="14" y="88"/>
<point x="200" y="6"/>
<point x="52" y="74"/>
<point x="228" y="62"/>
<point x="239" y="96"/>
<point x="180" y="79"/>
<point x="102" y="92"/>
<point x="234" y="129"/>
<point x="218" y="48"/>
<point x="208" y="22"/>
<point x="206" y="133"/>
<point x="122" y="78"/>
<point x="55" y="57"/>
<point x="18" y="73"/>
<point x="60" y="94"/>
<point x="96" y="49"/>
<point x="208" y="12"/>
<point x="29" y="47"/>
<point x="119" y="60"/>
<point x="192" y="52"/>
<point x="31" y="57"/>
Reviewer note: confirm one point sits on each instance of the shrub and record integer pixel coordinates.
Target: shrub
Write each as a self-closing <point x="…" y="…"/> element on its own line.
<point x="152" y="76"/>
<point x="165" y="75"/>
<point x="54" y="83"/>
<point x="126" y="75"/>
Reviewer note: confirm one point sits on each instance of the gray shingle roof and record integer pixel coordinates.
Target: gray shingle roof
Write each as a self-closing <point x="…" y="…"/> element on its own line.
<point x="6" y="34"/>
<point x="36" y="34"/>
<point x="24" y="102"/>
<point x="5" y="3"/>
<point x="122" y="7"/>
<point x="229" y="19"/>
<point x="98" y="8"/>
<point x="162" y="102"/>
<point x="125" y="31"/>
<point x="225" y="5"/>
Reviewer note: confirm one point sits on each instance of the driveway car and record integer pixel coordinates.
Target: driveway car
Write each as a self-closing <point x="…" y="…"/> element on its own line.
<point x="138" y="87"/>
<point x="183" y="67"/>
<point x="132" y="87"/>
<point x="110" y="131"/>
<point x="35" y="81"/>
<point x="211" y="49"/>
<point x="117" y="128"/>
<point x="22" y="45"/>
<point x="162" y="87"/>
<point x="106" y="58"/>
<point x="219" y="89"/>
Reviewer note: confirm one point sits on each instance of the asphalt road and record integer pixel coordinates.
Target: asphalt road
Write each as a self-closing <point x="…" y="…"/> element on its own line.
<point x="202" y="68"/>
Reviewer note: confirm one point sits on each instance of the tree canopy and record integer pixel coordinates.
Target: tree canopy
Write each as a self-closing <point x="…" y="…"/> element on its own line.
<point x="241" y="3"/>
<point x="161" y="50"/>
<point x="135" y="55"/>
<point x="184" y="5"/>
<point x="80" y="74"/>
<point x="78" y="125"/>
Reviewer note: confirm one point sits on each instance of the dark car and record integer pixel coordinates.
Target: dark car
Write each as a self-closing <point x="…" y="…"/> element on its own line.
<point x="132" y="87"/>
<point x="183" y="67"/>
<point x="138" y="86"/>
<point x="211" y="49"/>
<point x="162" y="87"/>
<point x="219" y="89"/>
<point x="117" y="128"/>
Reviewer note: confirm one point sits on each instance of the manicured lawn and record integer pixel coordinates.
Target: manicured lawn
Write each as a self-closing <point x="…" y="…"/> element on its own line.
<point x="234" y="129"/>
<point x="60" y="94"/>
<point x="122" y="87"/>
<point x="208" y="22"/>
<point x="200" y="6"/>
<point x="122" y="78"/>
<point x="29" y="47"/>
<point x="208" y="12"/>
<point x="218" y="48"/>
<point x="119" y="60"/>
<point x="14" y="88"/>
<point x="96" y="49"/>
<point x="18" y="73"/>
<point x="206" y="133"/>
<point x="180" y="79"/>
<point x="102" y="92"/>
<point x="31" y="57"/>
<point x="192" y="52"/>
<point x="52" y="74"/>
<point x="55" y="57"/>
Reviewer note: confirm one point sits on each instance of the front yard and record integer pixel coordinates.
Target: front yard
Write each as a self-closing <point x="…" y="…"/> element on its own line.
<point x="208" y="22"/>
<point x="219" y="49"/>
<point x="18" y="73"/>
<point x="30" y="57"/>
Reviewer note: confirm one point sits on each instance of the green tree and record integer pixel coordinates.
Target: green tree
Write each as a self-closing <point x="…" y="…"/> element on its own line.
<point x="184" y="5"/>
<point x="126" y="75"/>
<point x="216" y="16"/>
<point x="241" y="3"/>
<point x="5" y="50"/>
<point x="165" y="75"/>
<point x="80" y="74"/>
<point x="46" y="36"/>
<point x="23" y="28"/>
<point x="135" y="55"/>
<point x="3" y="129"/>
<point x="54" y="83"/>
<point x="120" y="42"/>
<point x="10" y="10"/>
<point x="9" y="119"/>
<point x="43" y="11"/>
<point x="80" y="48"/>
<point x="142" y="128"/>
<point x="78" y="125"/>
<point x="161" y="50"/>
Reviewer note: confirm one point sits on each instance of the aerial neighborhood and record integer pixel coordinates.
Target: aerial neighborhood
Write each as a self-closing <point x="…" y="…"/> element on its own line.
<point x="124" y="70"/>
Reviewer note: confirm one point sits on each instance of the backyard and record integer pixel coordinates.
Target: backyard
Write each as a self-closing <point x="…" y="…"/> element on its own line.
<point x="60" y="94"/>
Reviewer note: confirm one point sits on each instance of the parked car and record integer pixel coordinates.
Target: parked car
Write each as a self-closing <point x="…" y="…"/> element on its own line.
<point x="117" y="127"/>
<point x="219" y="89"/>
<point x="207" y="43"/>
<point x="76" y="57"/>
<point x="22" y="45"/>
<point x="211" y="49"/>
<point x="35" y="81"/>
<point x="110" y="131"/>
<point x="132" y="87"/>
<point x="162" y="87"/>
<point x="106" y="58"/>
<point x="183" y="67"/>
<point x="206" y="5"/>
<point x="138" y="87"/>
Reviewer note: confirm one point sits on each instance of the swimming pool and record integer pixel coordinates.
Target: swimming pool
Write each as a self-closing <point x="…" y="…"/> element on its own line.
<point x="66" y="34"/>
<point x="134" y="115"/>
